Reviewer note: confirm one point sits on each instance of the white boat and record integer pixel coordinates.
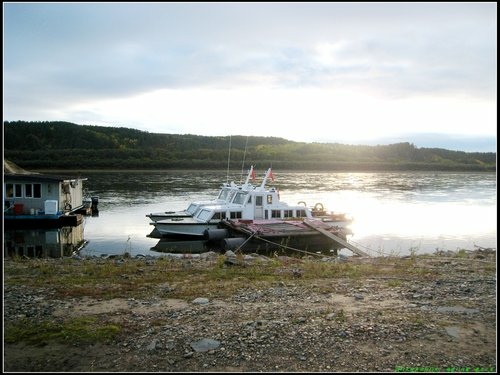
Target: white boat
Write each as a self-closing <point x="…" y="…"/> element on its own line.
<point x="257" y="203"/>
<point x="225" y="196"/>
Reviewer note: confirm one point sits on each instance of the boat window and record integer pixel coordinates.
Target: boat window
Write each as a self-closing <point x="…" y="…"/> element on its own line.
<point x="239" y="198"/>
<point x="276" y="213"/>
<point x="258" y="200"/>
<point x="269" y="199"/>
<point x="192" y="208"/>
<point x="223" y="194"/>
<point x="205" y="215"/>
<point x="287" y="213"/>
<point x="236" y="215"/>
<point x="301" y="213"/>
<point x="219" y="215"/>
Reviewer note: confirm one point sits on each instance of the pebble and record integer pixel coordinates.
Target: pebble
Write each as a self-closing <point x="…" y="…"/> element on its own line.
<point x="289" y="326"/>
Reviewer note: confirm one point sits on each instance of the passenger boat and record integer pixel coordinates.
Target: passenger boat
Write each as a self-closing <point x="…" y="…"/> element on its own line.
<point x="225" y="196"/>
<point x="255" y="203"/>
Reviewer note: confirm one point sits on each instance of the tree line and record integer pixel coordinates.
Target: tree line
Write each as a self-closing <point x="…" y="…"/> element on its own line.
<point x="64" y="145"/>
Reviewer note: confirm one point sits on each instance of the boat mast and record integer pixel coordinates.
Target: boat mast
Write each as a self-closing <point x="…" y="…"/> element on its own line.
<point x="228" y="159"/>
<point x="243" y="162"/>
<point x="250" y="174"/>
<point x="268" y="173"/>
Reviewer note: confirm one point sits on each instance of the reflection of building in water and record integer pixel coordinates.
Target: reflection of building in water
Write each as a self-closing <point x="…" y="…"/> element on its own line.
<point x="41" y="243"/>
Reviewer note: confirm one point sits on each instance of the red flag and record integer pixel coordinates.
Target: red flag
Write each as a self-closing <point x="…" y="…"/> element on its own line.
<point x="253" y="174"/>
<point x="271" y="174"/>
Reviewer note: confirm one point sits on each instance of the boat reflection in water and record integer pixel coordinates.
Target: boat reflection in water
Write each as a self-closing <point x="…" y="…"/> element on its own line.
<point x="283" y="246"/>
<point x="169" y="245"/>
<point x="43" y="243"/>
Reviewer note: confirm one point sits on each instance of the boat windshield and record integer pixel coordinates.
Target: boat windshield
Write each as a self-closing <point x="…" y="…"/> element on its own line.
<point x="192" y="208"/>
<point x="224" y="194"/>
<point x="204" y="214"/>
<point x="240" y="197"/>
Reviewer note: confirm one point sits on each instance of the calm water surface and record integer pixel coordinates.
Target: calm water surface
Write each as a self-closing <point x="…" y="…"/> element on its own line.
<point x="395" y="213"/>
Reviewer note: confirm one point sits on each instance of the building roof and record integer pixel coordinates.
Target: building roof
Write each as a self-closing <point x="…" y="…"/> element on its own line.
<point x="12" y="171"/>
<point x="11" y="168"/>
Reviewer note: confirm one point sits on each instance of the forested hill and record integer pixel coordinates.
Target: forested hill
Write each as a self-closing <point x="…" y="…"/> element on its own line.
<point x="56" y="145"/>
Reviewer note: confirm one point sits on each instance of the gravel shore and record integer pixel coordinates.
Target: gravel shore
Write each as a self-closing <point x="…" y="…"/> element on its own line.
<point x="364" y="315"/>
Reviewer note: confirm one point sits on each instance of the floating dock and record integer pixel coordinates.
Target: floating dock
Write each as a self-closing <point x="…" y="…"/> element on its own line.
<point x="42" y="221"/>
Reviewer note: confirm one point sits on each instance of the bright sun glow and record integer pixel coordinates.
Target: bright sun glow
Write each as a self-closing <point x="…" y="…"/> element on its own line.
<point x="306" y="114"/>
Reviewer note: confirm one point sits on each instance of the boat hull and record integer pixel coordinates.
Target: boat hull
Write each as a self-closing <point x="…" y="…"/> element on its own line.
<point x="167" y="215"/>
<point x="186" y="229"/>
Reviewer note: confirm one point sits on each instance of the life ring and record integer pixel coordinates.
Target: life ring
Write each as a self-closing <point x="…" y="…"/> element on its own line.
<point x="318" y="207"/>
<point x="304" y="203"/>
<point x="68" y="207"/>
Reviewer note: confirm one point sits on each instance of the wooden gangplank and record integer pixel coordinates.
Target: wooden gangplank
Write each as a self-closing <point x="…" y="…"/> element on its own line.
<point x="320" y="227"/>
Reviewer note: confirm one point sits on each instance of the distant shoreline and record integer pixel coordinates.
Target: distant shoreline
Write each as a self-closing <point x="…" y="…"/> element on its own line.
<point x="212" y="170"/>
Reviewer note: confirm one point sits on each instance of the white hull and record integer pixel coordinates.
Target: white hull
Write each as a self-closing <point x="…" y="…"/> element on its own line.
<point x="167" y="215"/>
<point x="188" y="229"/>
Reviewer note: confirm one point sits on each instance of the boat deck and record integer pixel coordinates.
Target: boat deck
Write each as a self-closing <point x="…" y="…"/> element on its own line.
<point x="268" y="228"/>
<point x="276" y="228"/>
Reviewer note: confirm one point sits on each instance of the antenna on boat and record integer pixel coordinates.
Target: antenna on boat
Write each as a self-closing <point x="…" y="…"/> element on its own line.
<point x="228" y="159"/>
<point x="243" y="162"/>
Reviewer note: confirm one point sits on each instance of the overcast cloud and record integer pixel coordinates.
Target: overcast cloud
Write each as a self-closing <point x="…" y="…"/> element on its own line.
<point x="359" y="73"/>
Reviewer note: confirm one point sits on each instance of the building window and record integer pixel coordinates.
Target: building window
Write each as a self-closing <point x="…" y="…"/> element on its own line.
<point x="33" y="190"/>
<point x="18" y="191"/>
<point x="288" y="213"/>
<point x="9" y="190"/>
<point x="269" y="199"/>
<point x="28" y="191"/>
<point x="37" y="190"/>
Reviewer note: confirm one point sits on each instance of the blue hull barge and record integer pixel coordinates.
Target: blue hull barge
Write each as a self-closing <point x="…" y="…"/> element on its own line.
<point x="41" y="221"/>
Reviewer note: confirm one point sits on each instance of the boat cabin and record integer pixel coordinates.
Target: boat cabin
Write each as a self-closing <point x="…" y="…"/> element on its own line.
<point x="252" y="205"/>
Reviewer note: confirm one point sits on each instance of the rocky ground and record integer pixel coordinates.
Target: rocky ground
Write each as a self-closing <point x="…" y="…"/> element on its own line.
<point x="440" y="315"/>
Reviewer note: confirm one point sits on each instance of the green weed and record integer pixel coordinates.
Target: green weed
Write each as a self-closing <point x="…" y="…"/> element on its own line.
<point x="78" y="330"/>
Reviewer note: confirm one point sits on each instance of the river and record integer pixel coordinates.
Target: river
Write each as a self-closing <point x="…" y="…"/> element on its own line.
<point x="394" y="213"/>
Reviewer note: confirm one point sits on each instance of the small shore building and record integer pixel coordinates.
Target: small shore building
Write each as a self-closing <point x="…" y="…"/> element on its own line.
<point x="32" y="193"/>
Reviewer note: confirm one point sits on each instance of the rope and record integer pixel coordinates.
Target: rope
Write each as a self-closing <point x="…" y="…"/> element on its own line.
<point x="239" y="247"/>
<point x="286" y="247"/>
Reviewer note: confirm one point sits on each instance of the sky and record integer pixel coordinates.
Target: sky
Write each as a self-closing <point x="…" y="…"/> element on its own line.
<point x="351" y="73"/>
